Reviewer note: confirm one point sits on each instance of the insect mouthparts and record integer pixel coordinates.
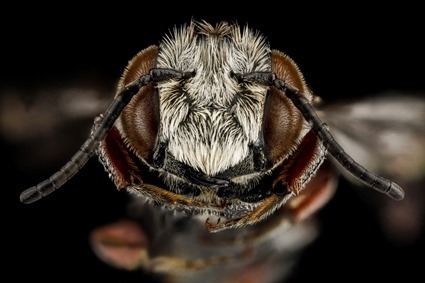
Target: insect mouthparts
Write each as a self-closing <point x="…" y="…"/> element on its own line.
<point x="208" y="181"/>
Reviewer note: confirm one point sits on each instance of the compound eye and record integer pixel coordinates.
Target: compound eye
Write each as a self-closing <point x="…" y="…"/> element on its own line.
<point x="282" y="124"/>
<point x="282" y="121"/>
<point x="140" y="119"/>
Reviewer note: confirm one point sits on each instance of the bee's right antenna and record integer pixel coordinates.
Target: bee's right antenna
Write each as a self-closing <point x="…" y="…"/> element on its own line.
<point x="98" y="133"/>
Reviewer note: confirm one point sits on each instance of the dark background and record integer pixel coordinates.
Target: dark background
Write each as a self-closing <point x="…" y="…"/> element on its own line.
<point x="343" y="53"/>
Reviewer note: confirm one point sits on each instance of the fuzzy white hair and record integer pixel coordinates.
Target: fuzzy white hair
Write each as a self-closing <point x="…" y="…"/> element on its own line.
<point x="210" y="120"/>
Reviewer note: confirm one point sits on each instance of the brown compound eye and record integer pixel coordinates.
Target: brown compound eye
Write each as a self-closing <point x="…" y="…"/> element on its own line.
<point x="140" y="122"/>
<point x="282" y="121"/>
<point x="140" y="119"/>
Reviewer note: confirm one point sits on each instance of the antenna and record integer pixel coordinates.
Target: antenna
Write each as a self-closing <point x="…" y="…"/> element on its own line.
<point x="101" y="126"/>
<point x="321" y="130"/>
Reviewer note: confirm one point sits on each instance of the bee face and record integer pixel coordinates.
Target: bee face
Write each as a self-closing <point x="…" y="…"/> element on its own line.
<point x="213" y="143"/>
<point x="213" y="122"/>
<point x="277" y="186"/>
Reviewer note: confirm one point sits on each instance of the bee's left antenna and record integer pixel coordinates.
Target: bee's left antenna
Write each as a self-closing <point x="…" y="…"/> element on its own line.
<point x="369" y="178"/>
<point x="100" y="129"/>
<point x="320" y="129"/>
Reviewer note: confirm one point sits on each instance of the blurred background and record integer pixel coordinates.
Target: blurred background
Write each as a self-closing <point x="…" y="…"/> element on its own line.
<point x="59" y="68"/>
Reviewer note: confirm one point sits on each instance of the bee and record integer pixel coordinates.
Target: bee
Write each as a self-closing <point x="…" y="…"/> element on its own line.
<point x="213" y="123"/>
